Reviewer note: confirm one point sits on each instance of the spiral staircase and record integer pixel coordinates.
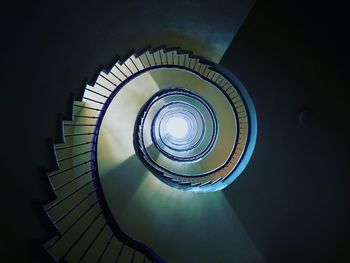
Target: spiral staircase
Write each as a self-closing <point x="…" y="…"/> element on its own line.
<point x="291" y="198"/>
<point x="123" y="113"/>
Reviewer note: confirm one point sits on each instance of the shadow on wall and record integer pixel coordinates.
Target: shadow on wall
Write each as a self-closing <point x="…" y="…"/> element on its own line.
<point x="193" y="41"/>
<point x="175" y="223"/>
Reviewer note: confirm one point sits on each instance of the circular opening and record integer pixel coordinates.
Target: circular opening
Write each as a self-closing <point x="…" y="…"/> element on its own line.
<point x="183" y="127"/>
<point x="177" y="127"/>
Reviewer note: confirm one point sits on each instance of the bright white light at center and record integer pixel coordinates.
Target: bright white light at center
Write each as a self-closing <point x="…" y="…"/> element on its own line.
<point x="177" y="127"/>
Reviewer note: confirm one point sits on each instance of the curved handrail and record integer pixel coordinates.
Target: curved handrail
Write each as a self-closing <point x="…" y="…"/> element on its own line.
<point x="200" y="67"/>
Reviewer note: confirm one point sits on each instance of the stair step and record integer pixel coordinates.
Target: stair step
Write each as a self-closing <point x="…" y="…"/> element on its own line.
<point x="76" y="225"/>
<point x="157" y="57"/>
<point x="151" y="59"/>
<point x="112" y="79"/>
<point x="125" y="69"/>
<point x="137" y="62"/>
<point x="129" y="64"/>
<point x="145" y="60"/>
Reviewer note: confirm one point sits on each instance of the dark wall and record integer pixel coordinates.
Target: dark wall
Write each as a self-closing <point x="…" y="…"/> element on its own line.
<point x="293" y="196"/>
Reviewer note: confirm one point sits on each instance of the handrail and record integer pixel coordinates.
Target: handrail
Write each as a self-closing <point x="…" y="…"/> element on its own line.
<point x="185" y="61"/>
<point x="94" y="164"/>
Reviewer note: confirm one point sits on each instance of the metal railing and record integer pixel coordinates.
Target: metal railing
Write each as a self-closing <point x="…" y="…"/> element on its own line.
<point x="85" y="228"/>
